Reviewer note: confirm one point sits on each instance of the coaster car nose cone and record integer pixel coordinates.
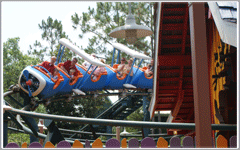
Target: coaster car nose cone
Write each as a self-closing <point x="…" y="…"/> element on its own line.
<point x="29" y="82"/>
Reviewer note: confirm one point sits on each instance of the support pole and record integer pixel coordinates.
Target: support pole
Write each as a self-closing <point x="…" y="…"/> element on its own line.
<point x="59" y="51"/>
<point x="40" y="126"/>
<point x="130" y="70"/>
<point x="200" y="75"/>
<point x="5" y="130"/>
<point x="35" y="126"/>
<point x="113" y="57"/>
<point x="53" y="135"/>
<point x="109" y="130"/>
<point x="84" y="76"/>
<point x="136" y="71"/>
<point x="153" y="120"/>
<point x="87" y="78"/>
<point x="118" y="133"/>
<point x="29" y="120"/>
<point x="159" y="120"/>
<point x="146" y="114"/>
<point x="61" y="54"/>
<point x="118" y="57"/>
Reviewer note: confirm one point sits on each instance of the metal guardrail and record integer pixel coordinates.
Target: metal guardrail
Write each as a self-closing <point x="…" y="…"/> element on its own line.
<point x="108" y="122"/>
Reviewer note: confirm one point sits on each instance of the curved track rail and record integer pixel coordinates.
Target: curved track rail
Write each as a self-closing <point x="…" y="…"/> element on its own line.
<point x="104" y="122"/>
<point x="31" y="131"/>
<point x="19" y="123"/>
<point x="109" y="122"/>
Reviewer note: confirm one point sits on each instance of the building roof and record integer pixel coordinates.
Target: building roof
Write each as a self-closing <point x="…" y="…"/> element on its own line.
<point x="225" y="17"/>
<point x="228" y="11"/>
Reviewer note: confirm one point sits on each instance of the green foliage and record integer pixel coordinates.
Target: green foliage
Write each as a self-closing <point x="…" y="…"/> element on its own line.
<point x="107" y="17"/>
<point x="52" y="32"/>
<point x="18" y="138"/>
<point x="88" y="107"/>
<point x="14" y="62"/>
<point x="41" y="109"/>
<point x="37" y="51"/>
<point x="68" y="54"/>
<point x="135" y="116"/>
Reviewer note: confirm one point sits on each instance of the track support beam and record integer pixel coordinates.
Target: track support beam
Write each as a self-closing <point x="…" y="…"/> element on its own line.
<point x="53" y="135"/>
<point x="5" y="130"/>
<point x="200" y="75"/>
<point x="146" y="113"/>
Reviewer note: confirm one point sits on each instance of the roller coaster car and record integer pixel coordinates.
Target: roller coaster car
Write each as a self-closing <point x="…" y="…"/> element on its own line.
<point x="88" y="83"/>
<point x="56" y="81"/>
<point x="115" y="81"/>
<point x="37" y="81"/>
<point x="115" y="67"/>
<point x="89" y="72"/>
<point x="142" y="80"/>
<point x="75" y="79"/>
<point x="138" y="77"/>
<point x="32" y="81"/>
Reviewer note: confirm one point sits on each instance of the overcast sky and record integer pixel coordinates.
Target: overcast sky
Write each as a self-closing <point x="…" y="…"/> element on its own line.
<point x="21" y="19"/>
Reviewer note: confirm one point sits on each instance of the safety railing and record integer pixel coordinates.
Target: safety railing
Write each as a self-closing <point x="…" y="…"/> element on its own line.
<point x="114" y="143"/>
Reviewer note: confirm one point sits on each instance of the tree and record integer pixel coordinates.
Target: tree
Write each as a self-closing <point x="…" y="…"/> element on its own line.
<point x="135" y="116"/>
<point x="52" y="33"/>
<point x="88" y="107"/>
<point x="37" y="51"/>
<point x="108" y="16"/>
<point x="14" y="62"/>
<point x="68" y="54"/>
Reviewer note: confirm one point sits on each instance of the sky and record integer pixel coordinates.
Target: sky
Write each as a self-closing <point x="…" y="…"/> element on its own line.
<point x="21" y="19"/>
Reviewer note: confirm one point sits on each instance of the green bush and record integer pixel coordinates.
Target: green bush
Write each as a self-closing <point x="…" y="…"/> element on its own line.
<point x="18" y="138"/>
